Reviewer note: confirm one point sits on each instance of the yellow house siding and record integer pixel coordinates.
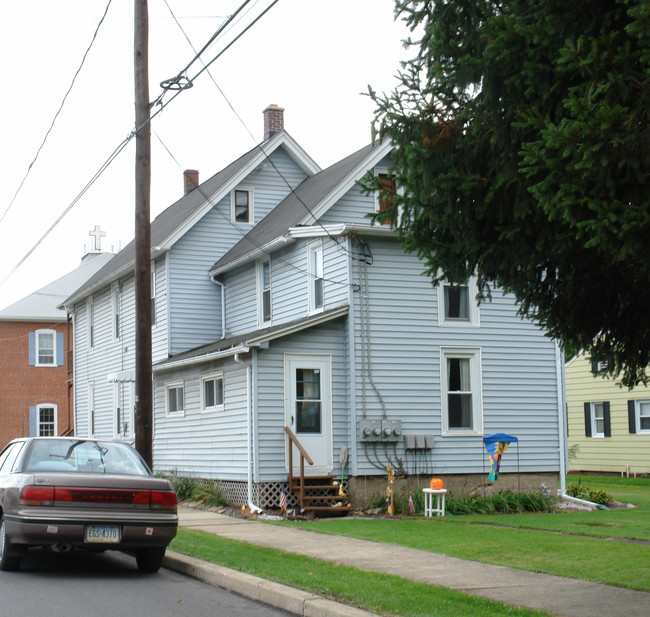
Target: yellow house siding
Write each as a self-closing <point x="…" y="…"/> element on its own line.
<point x="622" y="450"/>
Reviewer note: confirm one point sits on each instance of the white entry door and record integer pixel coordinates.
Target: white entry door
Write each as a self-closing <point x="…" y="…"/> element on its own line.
<point x="308" y="409"/>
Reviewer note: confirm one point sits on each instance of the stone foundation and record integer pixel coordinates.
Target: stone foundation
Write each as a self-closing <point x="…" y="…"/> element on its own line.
<point x="362" y="489"/>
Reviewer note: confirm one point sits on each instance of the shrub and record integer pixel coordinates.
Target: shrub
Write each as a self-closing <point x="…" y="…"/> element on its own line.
<point x="189" y="489"/>
<point x="588" y="494"/>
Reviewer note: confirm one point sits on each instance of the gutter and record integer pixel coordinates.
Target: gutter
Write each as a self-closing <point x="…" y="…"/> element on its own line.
<point x="249" y="433"/>
<point x="208" y="357"/>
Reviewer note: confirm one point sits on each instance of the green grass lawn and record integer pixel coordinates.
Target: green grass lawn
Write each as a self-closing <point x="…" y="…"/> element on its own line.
<point x="606" y="546"/>
<point x="351" y="586"/>
<point x="575" y="544"/>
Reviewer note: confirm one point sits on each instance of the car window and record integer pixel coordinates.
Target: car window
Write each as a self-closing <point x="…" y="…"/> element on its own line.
<point x="9" y="455"/>
<point x="79" y="456"/>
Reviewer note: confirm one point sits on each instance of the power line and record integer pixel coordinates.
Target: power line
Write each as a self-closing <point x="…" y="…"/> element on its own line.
<point x="259" y="146"/>
<point x="117" y="150"/>
<point x="56" y="115"/>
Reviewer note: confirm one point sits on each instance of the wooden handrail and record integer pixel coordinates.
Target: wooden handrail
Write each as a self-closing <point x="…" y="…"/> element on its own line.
<point x="298" y="445"/>
<point x="293" y="440"/>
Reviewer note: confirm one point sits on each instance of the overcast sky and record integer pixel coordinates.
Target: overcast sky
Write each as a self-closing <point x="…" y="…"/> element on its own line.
<point x="312" y="57"/>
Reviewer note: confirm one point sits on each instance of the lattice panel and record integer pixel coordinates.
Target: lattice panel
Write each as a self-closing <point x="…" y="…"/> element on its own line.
<point x="265" y="494"/>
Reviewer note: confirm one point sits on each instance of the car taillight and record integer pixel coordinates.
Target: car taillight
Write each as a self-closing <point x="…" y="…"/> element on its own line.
<point x="37" y="496"/>
<point x="112" y="496"/>
<point x="163" y="500"/>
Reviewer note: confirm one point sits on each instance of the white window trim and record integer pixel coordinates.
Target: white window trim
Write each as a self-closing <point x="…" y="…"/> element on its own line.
<point x="210" y="377"/>
<point x="169" y="386"/>
<point x="474" y="320"/>
<point x="473" y="354"/>
<point x="637" y="417"/>
<point x="38" y="417"/>
<point x="92" y="418"/>
<point x="251" y="204"/>
<point x="595" y="434"/>
<point x="260" y="293"/>
<point x="154" y="304"/>
<point x="312" y="248"/>
<point x="37" y="347"/>
<point x="90" y="322"/>
<point x="116" y="305"/>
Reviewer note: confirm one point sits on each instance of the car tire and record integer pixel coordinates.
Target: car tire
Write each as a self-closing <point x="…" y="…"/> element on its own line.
<point x="8" y="562"/>
<point x="150" y="559"/>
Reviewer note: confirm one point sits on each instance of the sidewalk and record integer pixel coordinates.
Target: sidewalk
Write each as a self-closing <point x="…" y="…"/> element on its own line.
<point x="554" y="594"/>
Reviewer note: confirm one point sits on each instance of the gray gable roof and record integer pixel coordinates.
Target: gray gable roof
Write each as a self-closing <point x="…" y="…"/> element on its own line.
<point x="42" y="304"/>
<point x="189" y="207"/>
<point x="296" y="209"/>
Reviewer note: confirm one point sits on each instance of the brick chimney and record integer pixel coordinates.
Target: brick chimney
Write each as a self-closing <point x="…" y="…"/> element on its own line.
<point x="273" y="120"/>
<point x="190" y="180"/>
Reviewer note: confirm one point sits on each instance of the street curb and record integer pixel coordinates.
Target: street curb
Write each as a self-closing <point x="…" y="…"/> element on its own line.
<point x="274" y="594"/>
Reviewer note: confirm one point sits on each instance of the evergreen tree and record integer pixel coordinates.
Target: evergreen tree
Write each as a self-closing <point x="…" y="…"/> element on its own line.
<point x="523" y="151"/>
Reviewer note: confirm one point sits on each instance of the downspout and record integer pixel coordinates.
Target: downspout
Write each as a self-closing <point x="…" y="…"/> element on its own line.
<point x="222" y="287"/>
<point x="561" y="408"/>
<point x="559" y="370"/>
<point x="249" y="436"/>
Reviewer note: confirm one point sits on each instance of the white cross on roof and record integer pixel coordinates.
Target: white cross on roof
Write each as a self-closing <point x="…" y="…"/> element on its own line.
<point x="98" y="234"/>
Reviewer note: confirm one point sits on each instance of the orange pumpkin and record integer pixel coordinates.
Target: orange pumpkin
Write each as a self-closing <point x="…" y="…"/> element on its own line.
<point x="435" y="484"/>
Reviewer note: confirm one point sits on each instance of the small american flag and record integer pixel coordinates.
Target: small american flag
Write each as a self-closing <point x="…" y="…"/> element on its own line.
<point x="283" y="498"/>
<point x="411" y="506"/>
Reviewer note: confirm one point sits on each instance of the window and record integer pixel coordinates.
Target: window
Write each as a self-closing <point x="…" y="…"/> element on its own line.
<point x="384" y="197"/>
<point x="639" y="416"/>
<point x="308" y="400"/>
<point x="457" y="304"/>
<point x="174" y="396"/>
<point x="461" y="391"/>
<point x="45" y="348"/>
<point x="90" y="317"/>
<point x="597" y="422"/>
<point x="116" y="295"/>
<point x="9" y="455"/>
<point x="241" y="205"/>
<point x="212" y="391"/>
<point x="264" y="291"/>
<point x="315" y="271"/>
<point x="46" y="419"/>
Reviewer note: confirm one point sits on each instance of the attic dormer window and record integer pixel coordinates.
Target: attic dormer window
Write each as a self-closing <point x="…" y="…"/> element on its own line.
<point x="241" y="205"/>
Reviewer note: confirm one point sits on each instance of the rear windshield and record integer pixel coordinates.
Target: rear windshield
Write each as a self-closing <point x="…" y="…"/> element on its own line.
<point x="76" y="456"/>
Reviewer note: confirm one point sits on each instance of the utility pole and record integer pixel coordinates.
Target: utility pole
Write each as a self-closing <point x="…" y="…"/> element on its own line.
<point x="143" y="373"/>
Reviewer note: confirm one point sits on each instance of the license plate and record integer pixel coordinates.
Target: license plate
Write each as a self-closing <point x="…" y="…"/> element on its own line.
<point x="103" y="533"/>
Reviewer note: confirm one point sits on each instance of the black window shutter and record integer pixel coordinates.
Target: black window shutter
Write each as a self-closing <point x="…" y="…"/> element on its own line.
<point x="631" y="416"/>
<point x="608" y="424"/>
<point x="587" y="419"/>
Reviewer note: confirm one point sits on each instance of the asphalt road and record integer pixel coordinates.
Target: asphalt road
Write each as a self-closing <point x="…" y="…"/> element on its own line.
<point x="109" y="585"/>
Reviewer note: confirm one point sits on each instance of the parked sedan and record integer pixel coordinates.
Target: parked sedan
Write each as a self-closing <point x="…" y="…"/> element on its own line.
<point x="66" y="493"/>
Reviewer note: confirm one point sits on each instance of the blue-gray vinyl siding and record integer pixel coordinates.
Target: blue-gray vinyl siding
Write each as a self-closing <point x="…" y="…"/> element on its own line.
<point x="519" y="381"/>
<point x="108" y="355"/>
<point x="289" y="286"/>
<point x="194" y="301"/>
<point x="205" y="444"/>
<point x="326" y="339"/>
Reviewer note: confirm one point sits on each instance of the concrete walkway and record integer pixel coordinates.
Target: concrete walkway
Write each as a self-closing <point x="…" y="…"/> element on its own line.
<point x="554" y="594"/>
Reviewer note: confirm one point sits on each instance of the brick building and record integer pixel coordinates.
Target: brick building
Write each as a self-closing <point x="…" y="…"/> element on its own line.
<point x="36" y="358"/>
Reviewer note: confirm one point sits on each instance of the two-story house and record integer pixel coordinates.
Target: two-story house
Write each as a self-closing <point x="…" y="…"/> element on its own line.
<point x="35" y="338"/>
<point x="608" y="425"/>
<point x="279" y="305"/>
